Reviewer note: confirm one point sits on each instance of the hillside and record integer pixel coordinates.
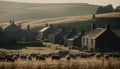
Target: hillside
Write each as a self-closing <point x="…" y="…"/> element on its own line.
<point x="28" y="11"/>
<point x="79" y="22"/>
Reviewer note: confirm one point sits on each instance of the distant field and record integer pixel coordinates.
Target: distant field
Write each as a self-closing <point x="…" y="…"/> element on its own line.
<point x="80" y="22"/>
<point x="27" y="11"/>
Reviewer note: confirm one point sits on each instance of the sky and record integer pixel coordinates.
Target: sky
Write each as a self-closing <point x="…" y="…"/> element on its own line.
<point x="96" y="2"/>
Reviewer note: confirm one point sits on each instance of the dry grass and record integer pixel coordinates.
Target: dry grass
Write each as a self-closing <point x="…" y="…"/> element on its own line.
<point x="79" y="63"/>
<point x="91" y="63"/>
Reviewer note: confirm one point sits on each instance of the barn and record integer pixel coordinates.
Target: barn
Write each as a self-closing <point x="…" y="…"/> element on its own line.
<point x="100" y="39"/>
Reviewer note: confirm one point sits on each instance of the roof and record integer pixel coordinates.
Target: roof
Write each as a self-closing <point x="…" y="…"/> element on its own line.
<point x="60" y="33"/>
<point x="44" y="29"/>
<point x="12" y="27"/>
<point x="117" y="32"/>
<point x="71" y="34"/>
<point x="93" y="34"/>
<point x="76" y="36"/>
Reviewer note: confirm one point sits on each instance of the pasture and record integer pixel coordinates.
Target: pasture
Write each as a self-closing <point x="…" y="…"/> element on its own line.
<point x="78" y="63"/>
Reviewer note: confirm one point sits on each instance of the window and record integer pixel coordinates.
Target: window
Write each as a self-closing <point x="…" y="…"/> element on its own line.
<point x="83" y="40"/>
<point x="92" y="42"/>
<point x="86" y="41"/>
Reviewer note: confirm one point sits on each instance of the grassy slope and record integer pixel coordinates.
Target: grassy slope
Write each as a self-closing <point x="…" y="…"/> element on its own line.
<point x="80" y="22"/>
<point x="25" y="11"/>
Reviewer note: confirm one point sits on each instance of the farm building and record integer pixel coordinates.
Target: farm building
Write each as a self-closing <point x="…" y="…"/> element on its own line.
<point x="71" y="34"/>
<point x="58" y="36"/>
<point x="75" y="41"/>
<point x="14" y="33"/>
<point x="100" y="39"/>
<point x="45" y="32"/>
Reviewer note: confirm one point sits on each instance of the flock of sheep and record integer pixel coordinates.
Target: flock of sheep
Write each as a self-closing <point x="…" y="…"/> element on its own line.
<point x="58" y="55"/>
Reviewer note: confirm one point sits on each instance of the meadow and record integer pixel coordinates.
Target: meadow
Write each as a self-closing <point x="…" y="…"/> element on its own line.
<point x="78" y="63"/>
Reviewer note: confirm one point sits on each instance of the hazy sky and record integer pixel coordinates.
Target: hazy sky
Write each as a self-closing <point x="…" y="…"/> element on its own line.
<point x="97" y="2"/>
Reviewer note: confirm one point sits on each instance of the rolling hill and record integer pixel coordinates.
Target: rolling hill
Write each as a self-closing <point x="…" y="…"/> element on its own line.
<point x="79" y="22"/>
<point x="26" y="11"/>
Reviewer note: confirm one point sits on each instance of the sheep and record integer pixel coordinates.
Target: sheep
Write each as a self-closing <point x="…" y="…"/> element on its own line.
<point x="29" y="57"/>
<point x="40" y="57"/>
<point x="98" y="56"/>
<point x="68" y="57"/>
<point x="9" y="59"/>
<point x="23" y="57"/>
<point x="15" y="57"/>
<point x="2" y="58"/>
<point x="56" y="57"/>
<point x="73" y="55"/>
<point x="106" y="56"/>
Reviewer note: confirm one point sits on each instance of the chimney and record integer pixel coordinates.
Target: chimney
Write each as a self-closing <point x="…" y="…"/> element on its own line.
<point x="82" y="32"/>
<point x="51" y="25"/>
<point x="93" y="19"/>
<point x="13" y="22"/>
<point x="10" y="22"/>
<point x="46" y="25"/>
<point x="107" y="26"/>
<point x="28" y="27"/>
<point x="93" y="16"/>
<point x="93" y="26"/>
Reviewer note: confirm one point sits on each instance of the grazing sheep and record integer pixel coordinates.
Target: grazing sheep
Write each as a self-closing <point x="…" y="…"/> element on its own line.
<point x="85" y="55"/>
<point x="73" y="55"/>
<point x="98" y="56"/>
<point x="29" y="57"/>
<point x="106" y="56"/>
<point x="56" y="57"/>
<point x="9" y="59"/>
<point x="15" y="57"/>
<point x="68" y="57"/>
<point x="40" y="57"/>
<point x="2" y="58"/>
<point x="23" y="57"/>
<point x="116" y="55"/>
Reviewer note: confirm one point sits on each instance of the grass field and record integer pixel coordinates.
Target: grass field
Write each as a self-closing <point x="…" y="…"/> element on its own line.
<point x="78" y="63"/>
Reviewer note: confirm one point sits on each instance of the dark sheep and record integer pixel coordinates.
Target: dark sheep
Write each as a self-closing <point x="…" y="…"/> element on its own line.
<point x="73" y="55"/>
<point x="15" y="57"/>
<point x="2" y="58"/>
<point x="23" y="57"/>
<point x="98" y="56"/>
<point x="116" y="55"/>
<point x="56" y="57"/>
<point x="29" y="57"/>
<point x="40" y="57"/>
<point x="85" y="55"/>
<point x="106" y="56"/>
<point x="9" y="59"/>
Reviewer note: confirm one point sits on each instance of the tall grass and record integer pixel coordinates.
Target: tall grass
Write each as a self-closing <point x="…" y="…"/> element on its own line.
<point x="104" y="64"/>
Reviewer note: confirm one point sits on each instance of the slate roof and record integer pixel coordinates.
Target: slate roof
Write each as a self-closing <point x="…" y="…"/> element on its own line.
<point x="93" y="34"/>
<point x="60" y="33"/>
<point x="117" y="32"/>
<point x="76" y="36"/>
<point x="12" y="27"/>
<point x="44" y="29"/>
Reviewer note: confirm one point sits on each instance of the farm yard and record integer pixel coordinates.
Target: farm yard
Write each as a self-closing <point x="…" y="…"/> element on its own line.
<point x="78" y="62"/>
